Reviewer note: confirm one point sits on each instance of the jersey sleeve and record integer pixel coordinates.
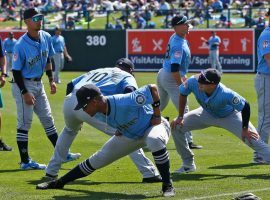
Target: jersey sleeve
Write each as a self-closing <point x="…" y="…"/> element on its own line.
<point x="186" y="87"/>
<point x="50" y="45"/>
<point x="18" y="57"/>
<point x="138" y="98"/>
<point x="236" y="101"/>
<point x="176" y="55"/>
<point x="128" y="81"/>
<point x="75" y="81"/>
<point x="1" y="49"/>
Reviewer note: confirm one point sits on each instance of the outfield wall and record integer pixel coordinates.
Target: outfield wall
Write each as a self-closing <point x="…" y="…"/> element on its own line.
<point x="146" y="48"/>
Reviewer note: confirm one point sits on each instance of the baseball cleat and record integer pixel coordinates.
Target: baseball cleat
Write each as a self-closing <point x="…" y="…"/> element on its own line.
<point x="168" y="191"/>
<point x="258" y="160"/>
<point x="32" y="165"/>
<point x="55" y="184"/>
<point x="154" y="179"/>
<point x="4" y="147"/>
<point x="186" y="169"/>
<point x="72" y="156"/>
<point x="194" y="146"/>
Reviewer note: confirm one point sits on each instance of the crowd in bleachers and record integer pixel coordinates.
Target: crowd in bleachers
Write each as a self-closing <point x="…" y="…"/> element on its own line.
<point x="143" y="11"/>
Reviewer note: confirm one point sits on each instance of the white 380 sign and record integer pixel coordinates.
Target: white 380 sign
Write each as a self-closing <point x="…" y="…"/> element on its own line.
<point x="96" y="40"/>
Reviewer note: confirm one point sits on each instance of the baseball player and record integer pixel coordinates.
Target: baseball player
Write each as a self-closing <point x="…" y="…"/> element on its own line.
<point x="116" y="80"/>
<point x="138" y="124"/>
<point x="58" y="42"/>
<point x="220" y="107"/>
<point x="262" y="85"/>
<point x="31" y="58"/>
<point x="175" y="67"/>
<point x="214" y="42"/>
<point x="3" y="146"/>
<point x="8" y="46"/>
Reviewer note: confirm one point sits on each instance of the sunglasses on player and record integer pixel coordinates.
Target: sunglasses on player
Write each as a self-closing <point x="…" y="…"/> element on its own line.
<point x="37" y="18"/>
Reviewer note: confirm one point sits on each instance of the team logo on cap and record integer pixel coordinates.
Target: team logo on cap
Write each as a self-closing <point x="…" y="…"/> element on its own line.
<point x="265" y="43"/>
<point x="235" y="100"/>
<point x="140" y="99"/>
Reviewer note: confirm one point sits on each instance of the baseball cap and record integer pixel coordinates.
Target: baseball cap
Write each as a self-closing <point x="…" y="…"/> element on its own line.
<point x="209" y="76"/>
<point x="30" y="12"/>
<point x="180" y="19"/>
<point x="125" y="62"/>
<point x="85" y="94"/>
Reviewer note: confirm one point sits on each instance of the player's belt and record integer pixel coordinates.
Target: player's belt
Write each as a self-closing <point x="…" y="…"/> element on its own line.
<point x="34" y="79"/>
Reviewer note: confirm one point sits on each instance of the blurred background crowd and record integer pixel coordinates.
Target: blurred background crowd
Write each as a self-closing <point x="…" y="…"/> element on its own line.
<point x="140" y="14"/>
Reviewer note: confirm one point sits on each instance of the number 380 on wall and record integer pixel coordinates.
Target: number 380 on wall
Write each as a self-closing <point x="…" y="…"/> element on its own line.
<point x="96" y="40"/>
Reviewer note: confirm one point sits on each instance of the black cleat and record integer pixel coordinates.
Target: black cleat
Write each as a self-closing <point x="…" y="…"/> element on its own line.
<point x="55" y="184"/>
<point x="154" y="179"/>
<point x="194" y="146"/>
<point x="4" y="147"/>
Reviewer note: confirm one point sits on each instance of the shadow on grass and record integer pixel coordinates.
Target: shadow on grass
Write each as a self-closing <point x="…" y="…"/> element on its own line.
<point x="102" y="195"/>
<point x="202" y="177"/>
<point x="234" y="166"/>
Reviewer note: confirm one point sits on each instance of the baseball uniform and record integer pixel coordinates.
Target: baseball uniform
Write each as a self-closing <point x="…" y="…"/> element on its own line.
<point x="8" y="46"/>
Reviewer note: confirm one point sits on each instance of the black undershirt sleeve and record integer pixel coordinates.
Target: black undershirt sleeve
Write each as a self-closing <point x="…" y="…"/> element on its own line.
<point x="175" y="67"/>
<point x="245" y="115"/>
<point x="129" y="89"/>
<point x="17" y="75"/>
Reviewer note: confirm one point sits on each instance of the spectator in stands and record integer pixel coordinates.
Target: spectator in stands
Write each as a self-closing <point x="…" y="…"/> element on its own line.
<point x="128" y="24"/>
<point x="217" y="6"/>
<point x="164" y="8"/>
<point x="260" y="23"/>
<point x="222" y="23"/>
<point x="118" y="25"/>
<point x="70" y="23"/>
<point x="140" y="21"/>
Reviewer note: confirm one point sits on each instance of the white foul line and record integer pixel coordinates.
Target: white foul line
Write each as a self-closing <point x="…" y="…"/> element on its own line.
<point x="227" y="194"/>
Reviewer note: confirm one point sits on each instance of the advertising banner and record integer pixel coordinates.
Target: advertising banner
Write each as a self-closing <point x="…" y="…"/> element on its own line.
<point x="146" y="48"/>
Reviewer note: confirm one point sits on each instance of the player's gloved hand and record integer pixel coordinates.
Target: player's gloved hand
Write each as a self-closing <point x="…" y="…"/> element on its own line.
<point x="3" y="81"/>
<point x="156" y="120"/>
<point x="249" y="135"/>
<point x="29" y="99"/>
<point x="53" y="87"/>
<point x="177" y="121"/>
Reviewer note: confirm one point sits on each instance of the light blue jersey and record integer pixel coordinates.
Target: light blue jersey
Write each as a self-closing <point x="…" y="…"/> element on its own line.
<point x="131" y="113"/>
<point x="58" y="42"/>
<point x="220" y="104"/>
<point x="8" y="45"/>
<point x="263" y="47"/>
<point x="178" y="52"/>
<point x="213" y="40"/>
<point x="30" y="57"/>
<point x="109" y="80"/>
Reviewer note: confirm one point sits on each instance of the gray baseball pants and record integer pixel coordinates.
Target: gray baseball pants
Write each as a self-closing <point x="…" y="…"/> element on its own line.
<point x="214" y="60"/>
<point x="74" y="120"/>
<point x="59" y="65"/>
<point x="200" y="119"/>
<point x="168" y="89"/>
<point x="9" y="57"/>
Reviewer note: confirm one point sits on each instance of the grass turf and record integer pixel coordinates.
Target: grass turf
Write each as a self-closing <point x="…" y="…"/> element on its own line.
<point x="223" y="165"/>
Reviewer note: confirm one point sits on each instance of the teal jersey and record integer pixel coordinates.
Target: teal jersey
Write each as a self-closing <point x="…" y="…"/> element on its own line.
<point x="263" y="47"/>
<point x="221" y="103"/>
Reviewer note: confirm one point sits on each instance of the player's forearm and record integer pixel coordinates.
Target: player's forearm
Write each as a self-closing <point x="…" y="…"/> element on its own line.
<point x="182" y="105"/>
<point x="49" y="71"/>
<point x="267" y="58"/>
<point x="245" y="115"/>
<point x="65" y="52"/>
<point x="3" y="65"/>
<point x="156" y="100"/>
<point x="17" y="75"/>
<point x="176" y="76"/>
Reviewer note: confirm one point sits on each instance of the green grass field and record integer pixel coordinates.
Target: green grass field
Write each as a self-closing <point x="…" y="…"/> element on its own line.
<point x="224" y="166"/>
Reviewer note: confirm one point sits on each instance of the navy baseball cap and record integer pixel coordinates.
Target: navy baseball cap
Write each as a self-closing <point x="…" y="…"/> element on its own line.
<point x="180" y="19"/>
<point x="209" y="76"/>
<point x="30" y="12"/>
<point x="125" y="63"/>
<point x="85" y="94"/>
